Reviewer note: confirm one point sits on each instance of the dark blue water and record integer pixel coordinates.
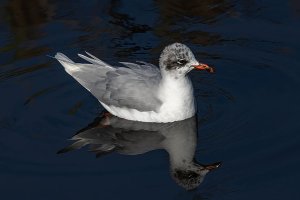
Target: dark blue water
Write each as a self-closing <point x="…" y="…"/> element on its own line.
<point x="248" y="112"/>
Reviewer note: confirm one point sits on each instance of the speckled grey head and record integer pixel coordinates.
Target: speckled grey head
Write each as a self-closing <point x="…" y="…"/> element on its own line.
<point x="177" y="57"/>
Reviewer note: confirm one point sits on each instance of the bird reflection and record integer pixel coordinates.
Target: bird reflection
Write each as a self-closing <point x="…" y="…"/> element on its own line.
<point x="112" y="134"/>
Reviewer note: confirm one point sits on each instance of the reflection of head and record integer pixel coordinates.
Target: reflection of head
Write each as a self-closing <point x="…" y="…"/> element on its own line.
<point x="190" y="176"/>
<point x="187" y="179"/>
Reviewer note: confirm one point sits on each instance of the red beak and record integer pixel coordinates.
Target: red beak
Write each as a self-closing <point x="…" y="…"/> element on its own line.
<point x="212" y="166"/>
<point x="204" y="67"/>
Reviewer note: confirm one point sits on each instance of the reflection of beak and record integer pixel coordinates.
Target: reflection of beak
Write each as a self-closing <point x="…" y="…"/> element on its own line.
<point x="204" y="67"/>
<point x="213" y="166"/>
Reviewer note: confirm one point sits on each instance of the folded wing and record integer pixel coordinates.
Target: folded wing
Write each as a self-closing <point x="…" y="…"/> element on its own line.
<point x="133" y="86"/>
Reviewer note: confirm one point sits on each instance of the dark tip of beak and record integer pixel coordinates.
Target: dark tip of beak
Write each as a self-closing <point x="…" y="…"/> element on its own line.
<point x="204" y="67"/>
<point x="212" y="166"/>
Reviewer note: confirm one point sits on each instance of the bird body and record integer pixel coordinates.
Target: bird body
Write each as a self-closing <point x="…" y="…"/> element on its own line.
<point x="177" y="104"/>
<point x="141" y="91"/>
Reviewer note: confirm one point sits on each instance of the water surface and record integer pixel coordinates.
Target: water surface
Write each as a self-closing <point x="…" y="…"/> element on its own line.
<point x="248" y="111"/>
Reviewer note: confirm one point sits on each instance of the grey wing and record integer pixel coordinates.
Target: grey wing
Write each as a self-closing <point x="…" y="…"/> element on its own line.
<point x="133" y="86"/>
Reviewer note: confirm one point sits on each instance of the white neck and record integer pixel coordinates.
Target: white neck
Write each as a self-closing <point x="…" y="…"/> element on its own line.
<point x="177" y="96"/>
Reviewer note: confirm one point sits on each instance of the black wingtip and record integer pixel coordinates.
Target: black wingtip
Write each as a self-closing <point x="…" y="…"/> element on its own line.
<point x="64" y="150"/>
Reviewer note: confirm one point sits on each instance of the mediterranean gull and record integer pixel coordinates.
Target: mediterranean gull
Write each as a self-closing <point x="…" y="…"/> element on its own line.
<point x="141" y="91"/>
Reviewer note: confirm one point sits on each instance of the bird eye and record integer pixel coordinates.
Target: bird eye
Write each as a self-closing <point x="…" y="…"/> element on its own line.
<point x="181" y="61"/>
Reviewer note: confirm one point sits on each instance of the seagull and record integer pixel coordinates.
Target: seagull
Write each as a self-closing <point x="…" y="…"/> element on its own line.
<point x="141" y="91"/>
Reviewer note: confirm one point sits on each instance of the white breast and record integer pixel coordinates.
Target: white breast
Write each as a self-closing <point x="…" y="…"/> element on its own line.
<point x="178" y="99"/>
